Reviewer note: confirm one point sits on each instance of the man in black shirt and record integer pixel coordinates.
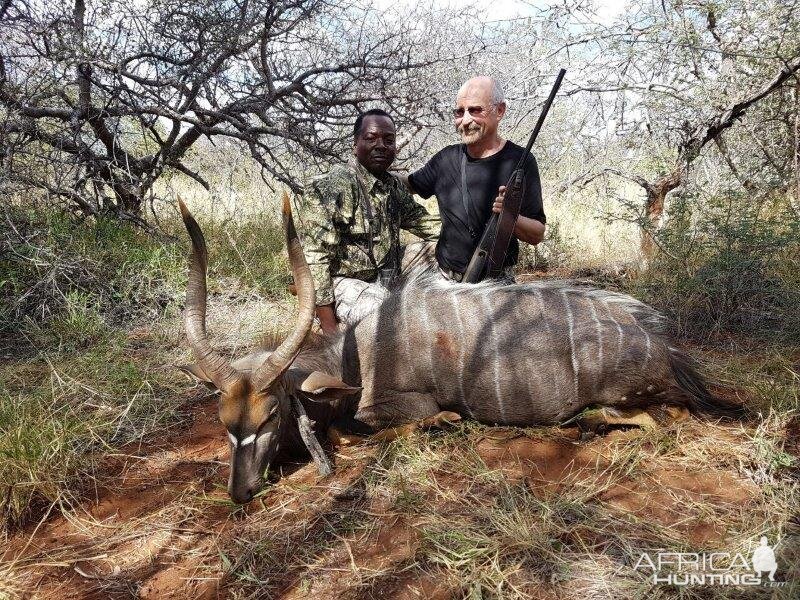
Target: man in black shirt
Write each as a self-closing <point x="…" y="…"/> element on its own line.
<point x="469" y="180"/>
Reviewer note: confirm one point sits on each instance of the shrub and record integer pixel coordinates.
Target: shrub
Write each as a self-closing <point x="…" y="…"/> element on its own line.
<point x="55" y="271"/>
<point x="59" y="274"/>
<point x="556" y="250"/>
<point x="729" y="264"/>
<point x="251" y="252"/>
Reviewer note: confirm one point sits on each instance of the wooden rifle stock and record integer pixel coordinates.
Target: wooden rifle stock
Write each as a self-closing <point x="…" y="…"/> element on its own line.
<point x="490" y="255"/>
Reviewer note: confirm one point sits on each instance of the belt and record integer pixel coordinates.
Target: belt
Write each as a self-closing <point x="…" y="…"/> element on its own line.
<point x="452" y="275"/>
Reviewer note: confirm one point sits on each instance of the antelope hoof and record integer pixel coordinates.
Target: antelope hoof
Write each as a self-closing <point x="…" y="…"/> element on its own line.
<point x="339" y="438"/>
<point x="442" y="419"/>
<point x="599" y="420"/>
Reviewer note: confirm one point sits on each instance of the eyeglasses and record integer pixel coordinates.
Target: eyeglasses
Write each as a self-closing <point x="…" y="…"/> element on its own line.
<point x="474" y="111"/>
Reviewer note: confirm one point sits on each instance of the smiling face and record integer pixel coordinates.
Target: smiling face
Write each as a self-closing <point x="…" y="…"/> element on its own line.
<point x="375" y="144"/>
<point x="476" y="116"/>
<point x="254" y="421"/>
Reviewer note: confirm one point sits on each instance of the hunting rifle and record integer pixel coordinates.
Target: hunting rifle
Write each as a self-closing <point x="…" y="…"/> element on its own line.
<point x="490" y="255"/>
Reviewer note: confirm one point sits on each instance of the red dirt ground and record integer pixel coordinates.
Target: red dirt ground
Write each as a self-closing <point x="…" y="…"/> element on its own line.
<point x="157" y="522"/>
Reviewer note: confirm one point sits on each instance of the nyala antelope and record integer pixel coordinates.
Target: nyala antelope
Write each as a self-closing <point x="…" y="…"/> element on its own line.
<point x="528" y="354"/>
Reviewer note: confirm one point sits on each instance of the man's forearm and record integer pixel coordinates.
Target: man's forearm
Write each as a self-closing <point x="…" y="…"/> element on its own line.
<point x="526" y="229"/>
<point x="327" y="318"/>
<point x="529" y="230"/>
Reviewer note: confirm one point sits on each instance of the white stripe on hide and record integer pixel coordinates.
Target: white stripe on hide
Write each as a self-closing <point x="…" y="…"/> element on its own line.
<point x="462" y="341"/>
<point x="619" y="336"/>
<point x="495" y="354"/>
<point x="405" y="329"/>
<point x="599" y="328"/>
<point x="571" y="324"/>
<point x="430" y="336"/>
<point x="542" y="312"/>
<point x="648" y="346"/>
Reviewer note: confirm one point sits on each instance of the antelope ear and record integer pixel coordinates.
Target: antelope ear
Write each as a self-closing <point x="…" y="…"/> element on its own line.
<point x="326" y="387"/>
<point x="196" y="373"/>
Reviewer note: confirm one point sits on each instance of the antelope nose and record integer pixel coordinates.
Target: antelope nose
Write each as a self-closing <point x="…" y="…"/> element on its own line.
<point x="242" y="495"/>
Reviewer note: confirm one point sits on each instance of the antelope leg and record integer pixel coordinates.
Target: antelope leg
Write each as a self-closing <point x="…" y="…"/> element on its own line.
<point x="305" y="426"/>
<point x="664" y="414"/>
<point x="440" y="419"/>
<point x="600" y="419"/>
<point x="655" y="415"/>
<point x="339" y="437"/>
<point x="348" y="431"/>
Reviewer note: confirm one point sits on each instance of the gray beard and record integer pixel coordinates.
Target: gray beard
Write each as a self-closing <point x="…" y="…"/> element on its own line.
<point x="469" y="136"/>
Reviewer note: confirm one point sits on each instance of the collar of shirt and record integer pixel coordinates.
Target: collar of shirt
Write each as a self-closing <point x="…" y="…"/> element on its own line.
<point x="369" y="182"/>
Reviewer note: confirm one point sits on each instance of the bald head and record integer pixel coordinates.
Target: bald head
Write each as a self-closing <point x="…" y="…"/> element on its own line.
<point x="483" y="86"/>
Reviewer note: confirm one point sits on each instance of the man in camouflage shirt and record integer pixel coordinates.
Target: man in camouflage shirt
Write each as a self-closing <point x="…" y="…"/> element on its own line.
<point x="349" y="225"/>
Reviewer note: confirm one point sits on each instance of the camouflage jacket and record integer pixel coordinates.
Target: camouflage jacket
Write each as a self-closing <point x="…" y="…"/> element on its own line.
<point x="336" y="214"/>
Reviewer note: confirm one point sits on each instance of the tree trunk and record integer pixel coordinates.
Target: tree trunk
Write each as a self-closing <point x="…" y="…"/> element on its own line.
<point x="119" y="171"/>
<point x="654" y="209"/>
<point x="690" y="149"/>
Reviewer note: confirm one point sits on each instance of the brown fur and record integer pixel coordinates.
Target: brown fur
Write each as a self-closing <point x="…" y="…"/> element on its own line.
<point x="445" y="344"/>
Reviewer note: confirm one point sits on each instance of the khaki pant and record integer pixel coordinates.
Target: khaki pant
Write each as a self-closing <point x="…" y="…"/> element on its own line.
<point x="354" y="298"/>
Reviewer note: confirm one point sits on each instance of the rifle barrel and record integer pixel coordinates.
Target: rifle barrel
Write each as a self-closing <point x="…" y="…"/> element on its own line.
<point x="542" y="116"/>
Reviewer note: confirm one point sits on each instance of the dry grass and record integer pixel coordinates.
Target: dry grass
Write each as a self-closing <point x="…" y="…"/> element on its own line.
<point x="474" y="512"/>
<point x="11" y="582"/>
<point x="59" y="414"/>
<point x="581" y="237"/>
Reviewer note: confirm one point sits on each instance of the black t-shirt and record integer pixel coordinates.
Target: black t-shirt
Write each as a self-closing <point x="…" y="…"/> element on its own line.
<point x="462" y="230"/>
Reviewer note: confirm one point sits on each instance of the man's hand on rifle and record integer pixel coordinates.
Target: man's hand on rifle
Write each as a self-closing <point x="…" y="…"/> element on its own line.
<point x="527" y="230"/>
<point x="498" y="202"/>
